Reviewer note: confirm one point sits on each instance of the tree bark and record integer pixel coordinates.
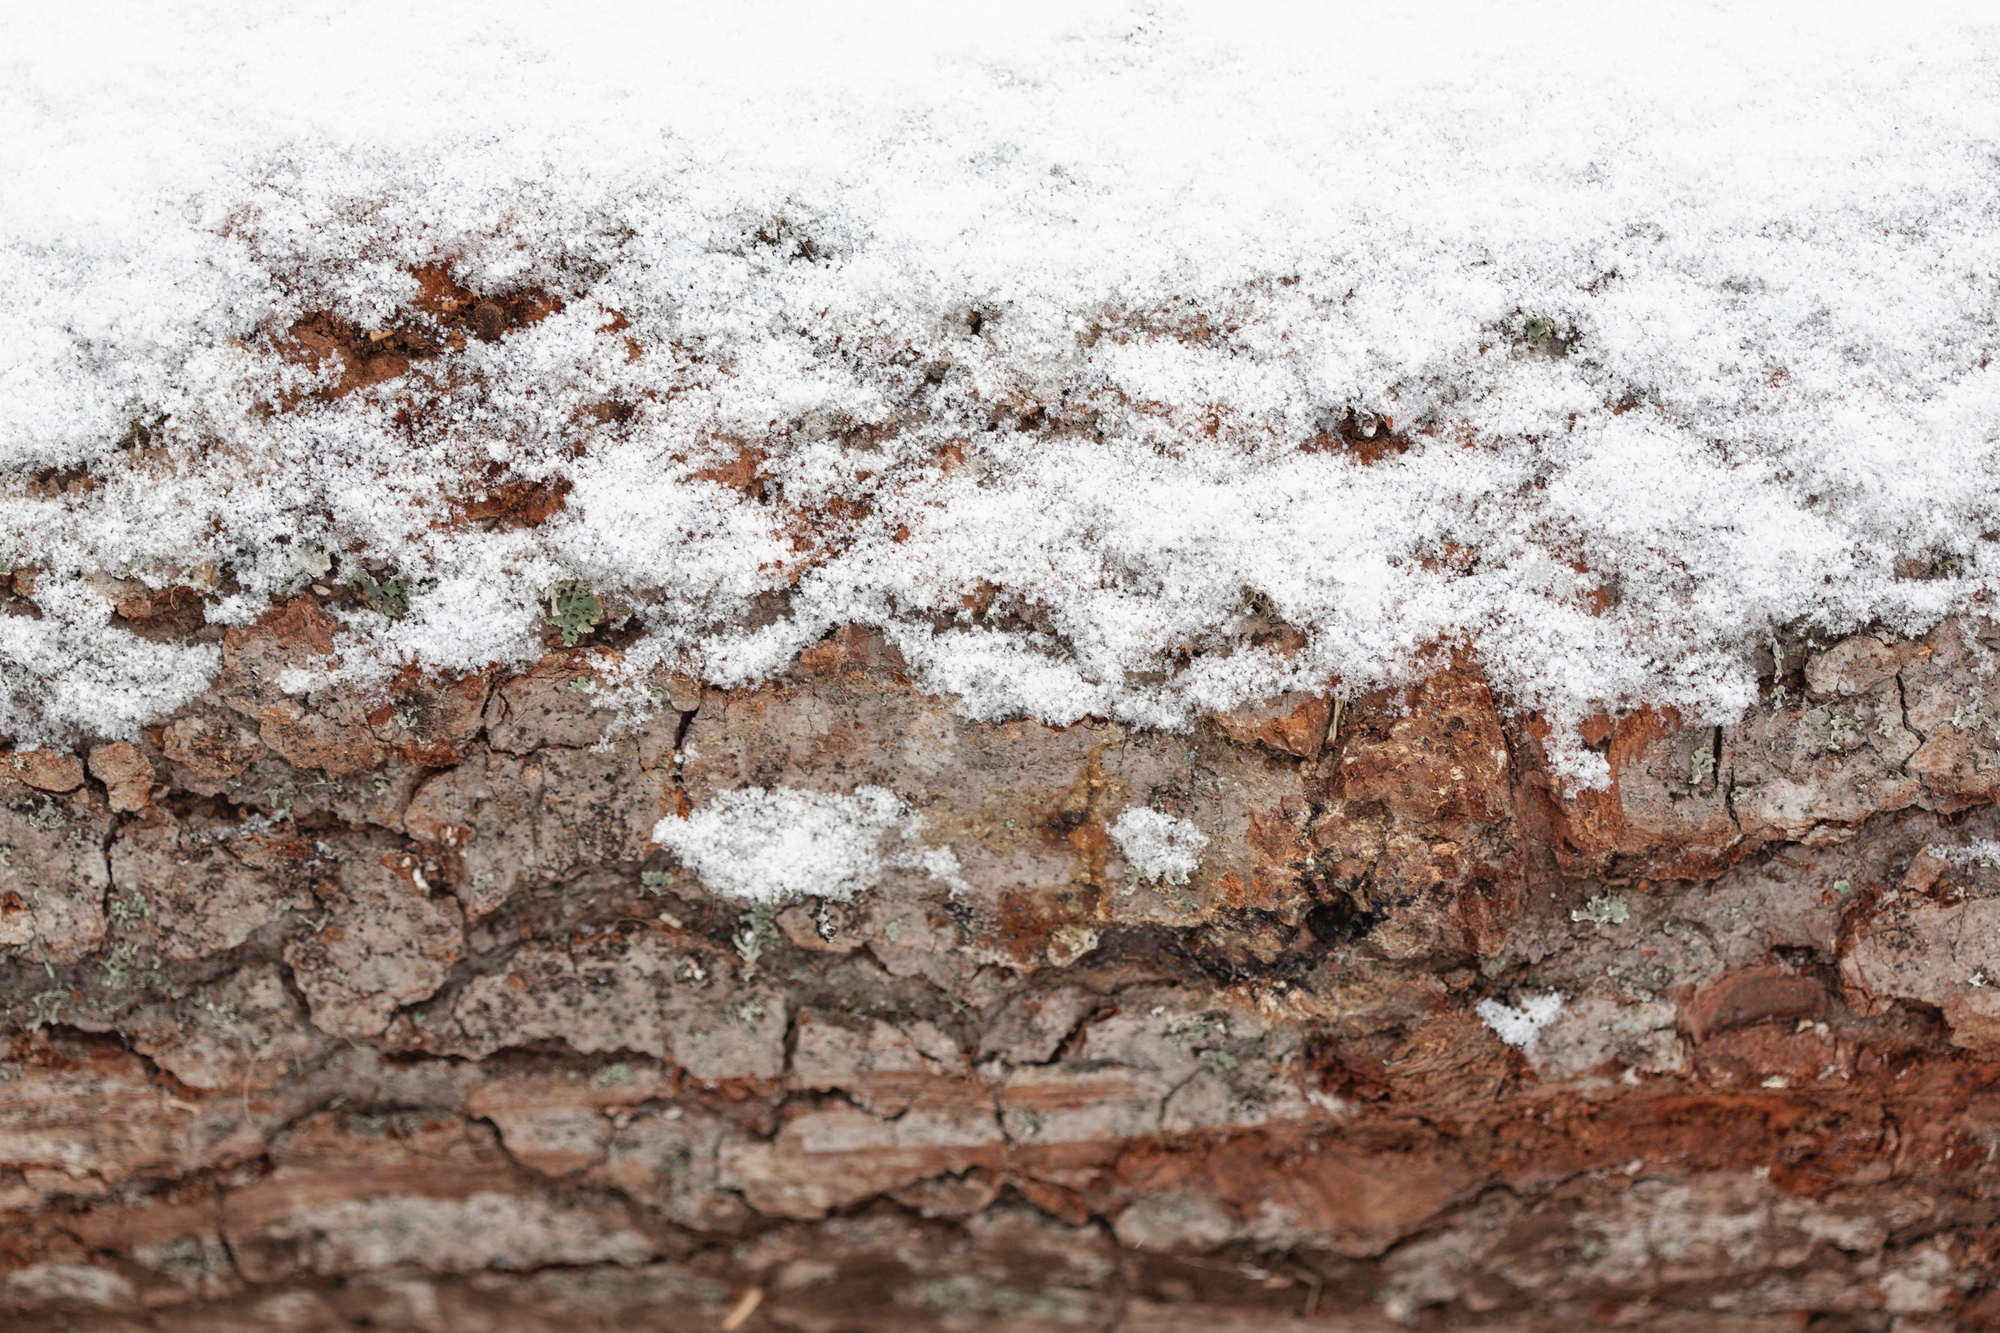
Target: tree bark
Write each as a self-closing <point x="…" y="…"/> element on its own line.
<point x="344" y="1011"/>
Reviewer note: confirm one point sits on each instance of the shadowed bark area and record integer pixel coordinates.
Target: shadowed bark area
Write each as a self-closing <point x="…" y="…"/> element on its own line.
<point x="341" y="1011"/>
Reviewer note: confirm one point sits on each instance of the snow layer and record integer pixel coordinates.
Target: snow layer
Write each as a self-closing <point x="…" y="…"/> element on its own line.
<point x="1035" y="325"/>
<point x="780" y="844"/>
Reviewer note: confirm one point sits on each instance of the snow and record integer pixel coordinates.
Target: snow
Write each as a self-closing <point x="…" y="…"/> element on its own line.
<point x="1978" y="852"/>
<point x="80" y="674"/>
<point x="1684" y="312"/>
<point x="1521" y="1025"/>
<point x="779" y="844"/>
<point x="1158" y="845"/>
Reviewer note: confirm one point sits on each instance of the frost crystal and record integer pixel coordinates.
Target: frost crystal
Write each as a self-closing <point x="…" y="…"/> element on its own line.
<point x="1158" y="845"/>
<point x="1521" y="1026"/>
<point x="779" y="844"/>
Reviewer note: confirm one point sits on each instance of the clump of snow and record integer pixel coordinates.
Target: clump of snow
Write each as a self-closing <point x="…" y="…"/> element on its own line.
<point x="1028" y="336"/>
<point x="1521" y="1025"/>
<point x="1158" y="845"/>
<point x="783" y="843"/>
<point x="68" y="670"/>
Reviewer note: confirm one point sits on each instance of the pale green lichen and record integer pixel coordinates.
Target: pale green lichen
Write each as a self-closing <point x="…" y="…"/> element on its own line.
<point x="1702" y="769"/>
<point x="389" y="595"/>
<point x="755" y="935"/>
<point x="574" y="610"/>
<point x="1606" y="909"/>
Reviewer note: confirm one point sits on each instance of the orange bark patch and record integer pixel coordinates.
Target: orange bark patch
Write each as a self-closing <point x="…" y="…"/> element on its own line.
<point x="514" y="503"/>
<point x="1444" y="758"/>
<point x="1651" y="809"/>
<point x="744" y="472"/>
<point x="1363" y="437"/>
<point x="1027" y="920"/>
<point x="127" y="777"/>
<point x="1292" y="723"/>
<point x="299" y="622"/>
<point x="1277" y="854"/>
<point x="45" y="770"/>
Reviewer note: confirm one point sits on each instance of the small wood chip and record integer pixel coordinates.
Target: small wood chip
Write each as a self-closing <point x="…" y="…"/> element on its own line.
<point x="745" y="1306"/>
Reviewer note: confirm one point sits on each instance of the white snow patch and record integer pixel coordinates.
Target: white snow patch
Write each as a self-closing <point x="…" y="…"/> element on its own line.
<point x="1521" y="1026"/>
<point x="1978" y="852"/>
<point x="1158" y="845"/>
<point x="1067" y="301"/>
<point x="69" y="670"/>
<point x="783" y="843"/>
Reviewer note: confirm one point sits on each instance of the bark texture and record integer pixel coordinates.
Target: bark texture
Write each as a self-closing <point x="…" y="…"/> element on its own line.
<point x="346" y="1011"/>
